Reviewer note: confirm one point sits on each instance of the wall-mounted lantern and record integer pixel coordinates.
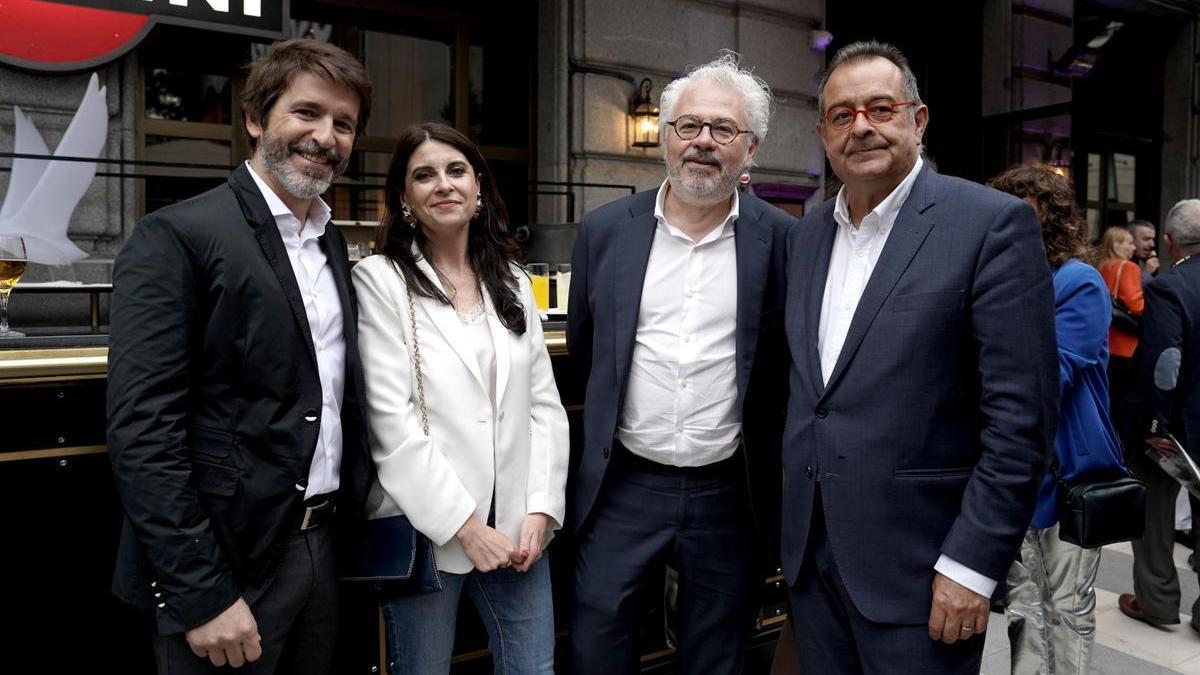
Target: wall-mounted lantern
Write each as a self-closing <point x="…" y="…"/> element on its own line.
<point x="1058" y="164"/>
<point x="644" y="114"/>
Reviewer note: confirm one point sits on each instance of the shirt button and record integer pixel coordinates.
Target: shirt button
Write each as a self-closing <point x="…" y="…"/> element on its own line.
<point x="690" y="293"/>
<point x="679" y="428"/>
<point x="687" y="338"/>
<point x="683" y="385"/>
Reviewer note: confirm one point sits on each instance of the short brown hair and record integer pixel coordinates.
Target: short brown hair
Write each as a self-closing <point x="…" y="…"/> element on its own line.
<point x="1063" y="228"/>
<point x="270" y="75"/>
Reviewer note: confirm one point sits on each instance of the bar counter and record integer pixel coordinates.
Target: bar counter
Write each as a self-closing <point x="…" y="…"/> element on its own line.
<point x="64" y="518"/>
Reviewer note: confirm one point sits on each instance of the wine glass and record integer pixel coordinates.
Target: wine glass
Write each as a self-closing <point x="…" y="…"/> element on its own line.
<point x="12" y="266"/>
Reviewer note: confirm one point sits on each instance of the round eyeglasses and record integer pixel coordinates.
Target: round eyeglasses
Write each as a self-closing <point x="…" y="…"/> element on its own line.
<point x="688" y="127"/>
<point x="842" y="117"/>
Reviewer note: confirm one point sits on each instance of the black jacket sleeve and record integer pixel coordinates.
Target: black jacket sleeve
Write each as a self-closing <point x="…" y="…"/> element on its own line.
<point x="152" y="348"/>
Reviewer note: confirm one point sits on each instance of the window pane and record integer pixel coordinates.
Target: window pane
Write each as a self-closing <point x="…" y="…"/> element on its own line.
<point x="499" y="72"/>
<point x="512" y="180"/>
<point x="1093" y="224"/>
<point x="1093" y="179"/>
<point x="1124" y="169"/>
<point x="179" y="85"/>
<point x="412" y="79"/>
<point x="187" y="151"/>
<point x="172" y="184"/>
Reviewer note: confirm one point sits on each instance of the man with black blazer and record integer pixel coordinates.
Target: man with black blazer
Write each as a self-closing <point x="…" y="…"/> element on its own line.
<point x="675" y="311"/>
<point x="235" y="387"/>
<point x="923" y="389"/>
<point x="1168" y="404"/>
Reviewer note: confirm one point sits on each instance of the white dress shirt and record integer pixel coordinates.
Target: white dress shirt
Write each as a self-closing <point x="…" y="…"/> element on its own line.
<point x="681" y="399"/>
<point x="323" y="308"/>
<point x="856" y="250"/>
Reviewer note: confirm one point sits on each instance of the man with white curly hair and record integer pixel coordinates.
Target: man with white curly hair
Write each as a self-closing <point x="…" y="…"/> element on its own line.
<point x="675" y="312"/>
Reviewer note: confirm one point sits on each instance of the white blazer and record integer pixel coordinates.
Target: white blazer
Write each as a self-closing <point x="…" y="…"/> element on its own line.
<point x="442" y="479"/>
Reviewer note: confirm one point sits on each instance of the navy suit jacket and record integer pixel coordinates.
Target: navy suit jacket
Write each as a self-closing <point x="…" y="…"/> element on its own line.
<point x="608" y="270"/>
<point x="932" y="434"/>
<point x="1168" y="356"/>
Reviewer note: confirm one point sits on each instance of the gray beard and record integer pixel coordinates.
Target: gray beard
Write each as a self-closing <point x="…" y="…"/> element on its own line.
<point x="298" y="183"/>
<point x="704" y="191"/>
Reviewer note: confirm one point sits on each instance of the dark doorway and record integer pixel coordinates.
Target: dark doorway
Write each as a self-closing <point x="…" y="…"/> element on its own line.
<point x="945" y="61"/>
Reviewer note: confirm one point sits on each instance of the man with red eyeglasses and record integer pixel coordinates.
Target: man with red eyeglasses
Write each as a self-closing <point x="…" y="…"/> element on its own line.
<point x="923" y="389"/>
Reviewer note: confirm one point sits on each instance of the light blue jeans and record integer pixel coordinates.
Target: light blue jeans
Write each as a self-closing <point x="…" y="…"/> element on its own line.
<point x="517" y="610"/>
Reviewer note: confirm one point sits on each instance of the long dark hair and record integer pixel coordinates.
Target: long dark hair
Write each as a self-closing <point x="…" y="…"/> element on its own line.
<point x="1064" y="232"/>
<point x="489" y="244"/>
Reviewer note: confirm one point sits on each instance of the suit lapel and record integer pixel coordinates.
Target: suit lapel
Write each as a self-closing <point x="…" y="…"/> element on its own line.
<point x="335" y="253"/>
<point x="266" y="231"/>
<point x="634" y="239"/>
<point x="753" y="245"/>
<point x="908" y="234"/>
<point x="446" y="320"/>
<point x="822" y="252"/>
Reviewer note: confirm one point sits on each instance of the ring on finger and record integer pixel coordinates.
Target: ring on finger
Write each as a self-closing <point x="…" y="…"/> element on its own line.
<point x="965" y="630"/>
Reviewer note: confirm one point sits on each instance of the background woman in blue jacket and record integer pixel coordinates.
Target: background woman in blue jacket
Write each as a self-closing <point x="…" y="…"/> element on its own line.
<point x="1051" y="605"/>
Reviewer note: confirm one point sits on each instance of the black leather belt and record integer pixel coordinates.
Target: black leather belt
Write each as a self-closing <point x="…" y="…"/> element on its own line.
<point x="318" y="511"/>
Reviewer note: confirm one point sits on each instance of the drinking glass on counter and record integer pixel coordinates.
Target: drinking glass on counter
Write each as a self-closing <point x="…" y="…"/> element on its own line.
<point x="12" y="266"/>
<point x="563" y="284"/>
<point x="539" y="275"/>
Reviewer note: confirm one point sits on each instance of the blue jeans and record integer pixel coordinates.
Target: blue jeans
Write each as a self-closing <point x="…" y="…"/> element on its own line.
<point x="516" y="608"/>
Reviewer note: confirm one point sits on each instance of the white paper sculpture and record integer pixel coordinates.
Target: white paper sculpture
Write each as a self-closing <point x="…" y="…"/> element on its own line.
<point x="42" y="193"/>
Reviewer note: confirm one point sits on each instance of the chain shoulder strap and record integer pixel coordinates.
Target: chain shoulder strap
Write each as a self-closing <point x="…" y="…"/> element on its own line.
<point x="416" y="353"/>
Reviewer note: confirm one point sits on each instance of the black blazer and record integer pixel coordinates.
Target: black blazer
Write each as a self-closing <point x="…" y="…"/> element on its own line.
<point x="214" y="402"/>
<point x="1168" y="356"/>
<point x="608" y="270"/>
<point x="932" y="434"/>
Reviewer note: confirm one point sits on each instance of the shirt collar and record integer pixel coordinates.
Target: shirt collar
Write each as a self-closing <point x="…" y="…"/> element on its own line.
<point x="885" y="211"/>
<point x="725" y="230"/>
<point x="318" y="210"/>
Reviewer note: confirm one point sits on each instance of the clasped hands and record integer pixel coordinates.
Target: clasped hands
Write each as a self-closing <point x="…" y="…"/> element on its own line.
<point x="488" y="549"/>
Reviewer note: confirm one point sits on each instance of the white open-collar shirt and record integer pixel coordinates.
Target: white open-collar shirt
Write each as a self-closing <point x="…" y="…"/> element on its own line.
<point x="681" y="398"/>
<point x="323" y="308"/>
<point x="856" y="250"/>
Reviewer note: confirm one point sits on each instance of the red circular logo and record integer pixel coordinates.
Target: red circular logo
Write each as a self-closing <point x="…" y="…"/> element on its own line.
<point x="53" y="36"/>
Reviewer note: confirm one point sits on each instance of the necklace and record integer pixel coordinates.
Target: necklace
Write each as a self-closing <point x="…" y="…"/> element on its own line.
<point x="471" y="315"/>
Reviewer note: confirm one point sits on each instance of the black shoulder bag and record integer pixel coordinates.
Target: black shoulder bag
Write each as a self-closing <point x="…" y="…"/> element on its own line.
<point x="1097" y="510"/>
<point x="1122" y="319"/>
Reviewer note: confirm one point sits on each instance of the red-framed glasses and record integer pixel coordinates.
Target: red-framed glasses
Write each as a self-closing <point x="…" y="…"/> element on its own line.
<point x="842" y="117"/>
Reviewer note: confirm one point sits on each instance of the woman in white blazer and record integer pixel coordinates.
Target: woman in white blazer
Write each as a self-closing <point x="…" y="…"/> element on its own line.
<point x="486" y="481"/>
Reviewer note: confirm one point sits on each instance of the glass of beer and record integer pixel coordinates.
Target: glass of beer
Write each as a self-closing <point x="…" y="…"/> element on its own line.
<point x="12" y="266"/>
<point x="539" y="275"/>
